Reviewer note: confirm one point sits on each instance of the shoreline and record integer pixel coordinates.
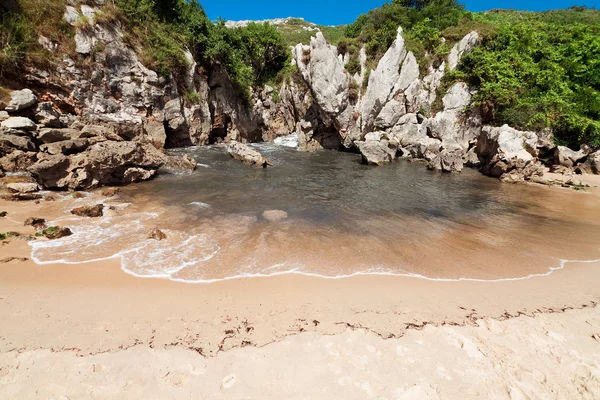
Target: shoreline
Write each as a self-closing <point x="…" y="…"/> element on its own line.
<point x="88" y="321"/>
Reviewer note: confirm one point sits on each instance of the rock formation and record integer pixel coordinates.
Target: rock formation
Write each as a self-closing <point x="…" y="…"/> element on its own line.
<point x="248" y="156"/>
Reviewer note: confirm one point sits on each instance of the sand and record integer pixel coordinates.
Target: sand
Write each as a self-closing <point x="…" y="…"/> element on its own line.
<point x="91" y="331"/>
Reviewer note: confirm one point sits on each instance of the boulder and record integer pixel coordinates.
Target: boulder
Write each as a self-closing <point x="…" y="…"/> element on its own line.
<point x="4" y="116"/>
<point x="447" y="161"/>
<point x="89" y="211"/>
<point x="568" y="158"/>
<point x="65" y="147"/>
<point x="591" y="164"/>
<point x="18" y="161"/>
<point x="52" y="135"/>
<point x="104" y="163"/>
<point x="20" y="123"/>
<point x="8" y="141"/>
<point x="377" y="152"/>
<point x="248" y="156"/>
<point x="505" y="150"/>
<point x="184" y="163"/>
<point x="23" y="187"/>
<point x="46" y="115"/>
<point x="157" y="234"/>
<point x="21" y="100"/>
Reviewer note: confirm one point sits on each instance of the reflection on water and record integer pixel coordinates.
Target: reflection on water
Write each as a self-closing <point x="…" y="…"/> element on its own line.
<point x="338" y="218"/>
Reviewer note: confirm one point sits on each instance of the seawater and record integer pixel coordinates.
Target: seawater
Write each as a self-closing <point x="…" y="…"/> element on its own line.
<point x="335" y="218"/>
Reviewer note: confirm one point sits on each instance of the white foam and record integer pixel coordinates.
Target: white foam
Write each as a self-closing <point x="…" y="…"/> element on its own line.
<point x="287" y="141"/>
<point x="198" y="204"/>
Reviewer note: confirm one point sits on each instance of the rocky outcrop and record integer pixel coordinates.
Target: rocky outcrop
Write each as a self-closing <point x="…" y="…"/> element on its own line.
<point x="104" y="163"/>
<point x="18" y="123"/>
<point x="591" y="165"/>
<point x="377" y="149"/>
<point x="568" y="158"/>
<point x="509" y="154"/>
<point x="248" y="156"/>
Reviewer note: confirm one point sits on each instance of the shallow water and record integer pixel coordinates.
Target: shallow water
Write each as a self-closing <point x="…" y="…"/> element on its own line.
<point x="329" y="215"/>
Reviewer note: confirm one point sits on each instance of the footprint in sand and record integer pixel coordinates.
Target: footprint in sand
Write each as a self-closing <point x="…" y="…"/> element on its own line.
<point x="228" y="381"/>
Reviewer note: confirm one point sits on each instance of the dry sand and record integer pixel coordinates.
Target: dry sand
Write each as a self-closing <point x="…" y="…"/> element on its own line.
<point x="91" y="331"/>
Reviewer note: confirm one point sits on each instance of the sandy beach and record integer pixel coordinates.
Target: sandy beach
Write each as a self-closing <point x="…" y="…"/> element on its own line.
<point x="91" y="331"/>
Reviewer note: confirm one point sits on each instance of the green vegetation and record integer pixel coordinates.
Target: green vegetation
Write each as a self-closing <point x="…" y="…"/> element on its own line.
<point x="20" y="27"/>
<point x="532" y="70"/>
<point x="297" y="30"/>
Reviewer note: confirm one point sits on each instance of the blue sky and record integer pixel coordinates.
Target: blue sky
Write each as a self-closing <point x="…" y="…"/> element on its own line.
<point x="335" y="12"/>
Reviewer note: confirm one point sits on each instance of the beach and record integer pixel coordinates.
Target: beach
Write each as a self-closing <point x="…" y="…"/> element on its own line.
<point x="92" y="331"/>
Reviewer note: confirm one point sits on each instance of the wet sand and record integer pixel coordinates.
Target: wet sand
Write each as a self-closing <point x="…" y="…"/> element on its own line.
<point x="92" y="331"/>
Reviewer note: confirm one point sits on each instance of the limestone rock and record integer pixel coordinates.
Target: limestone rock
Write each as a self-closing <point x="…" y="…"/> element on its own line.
<point x="248" y="156"/>
<point x="20" y="123"/>
<point x="180" y="164"/>
<point x="568" y="158"/>
<point x="21" y="100"/>
<point x="447" y="161"/>
<point x="466" y="45"/>
<point x="89" y="211"/>
<point x="376" y="152"/>
<point x="104" y="163"/>
<point x="591" y="165"/>
<point x="18" y="161"/>
<point x="65" y="147"/>
<point x="382" y="81"/>
<point x="505" y="150"/>
<point x="52" y="135"/>
<point x="8" y="142"/>
<point x="23" y="187"/>
<point x="47" y="116"/>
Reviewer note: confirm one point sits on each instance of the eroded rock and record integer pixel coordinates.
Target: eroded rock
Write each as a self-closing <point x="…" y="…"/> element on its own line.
<point x="89" y="211"/>
<point x="248" y="156"/>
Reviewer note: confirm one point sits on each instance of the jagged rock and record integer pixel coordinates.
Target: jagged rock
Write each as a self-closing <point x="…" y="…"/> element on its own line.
<point x="377" y="152"/>
<point x="180" y="164"/>
<point x="47" y="116"/>
<point x="89" y="211"/>
<point x="382" y="81"/>
<point x="568" y="158"/>
<point x="84" y="41"/>
<point x="52" y="135"/>
<point x="21" y="100"/>
<point x="157" y="234"/>
<point x="23" y="187"/>
<point x="38" y="223"/>
<point x="325" y="74"/>
<point x="71" y="15"/>
<point x="18" y="161"/>
<point x="155" y="133"/>
<point x="8" y="142"/>
<point x="447" y="161"/>
<point x="56" y="232"/>
<point x="20" y="123"/>
<point x="248" y="156"/>
<point x="104" y="163"/>
<point x="65" y="147"/>
<point x="471" y="160"/>
<point x="507" y="151"/>
<point x="591" y="164"/>
<point x="466" y="45"/>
